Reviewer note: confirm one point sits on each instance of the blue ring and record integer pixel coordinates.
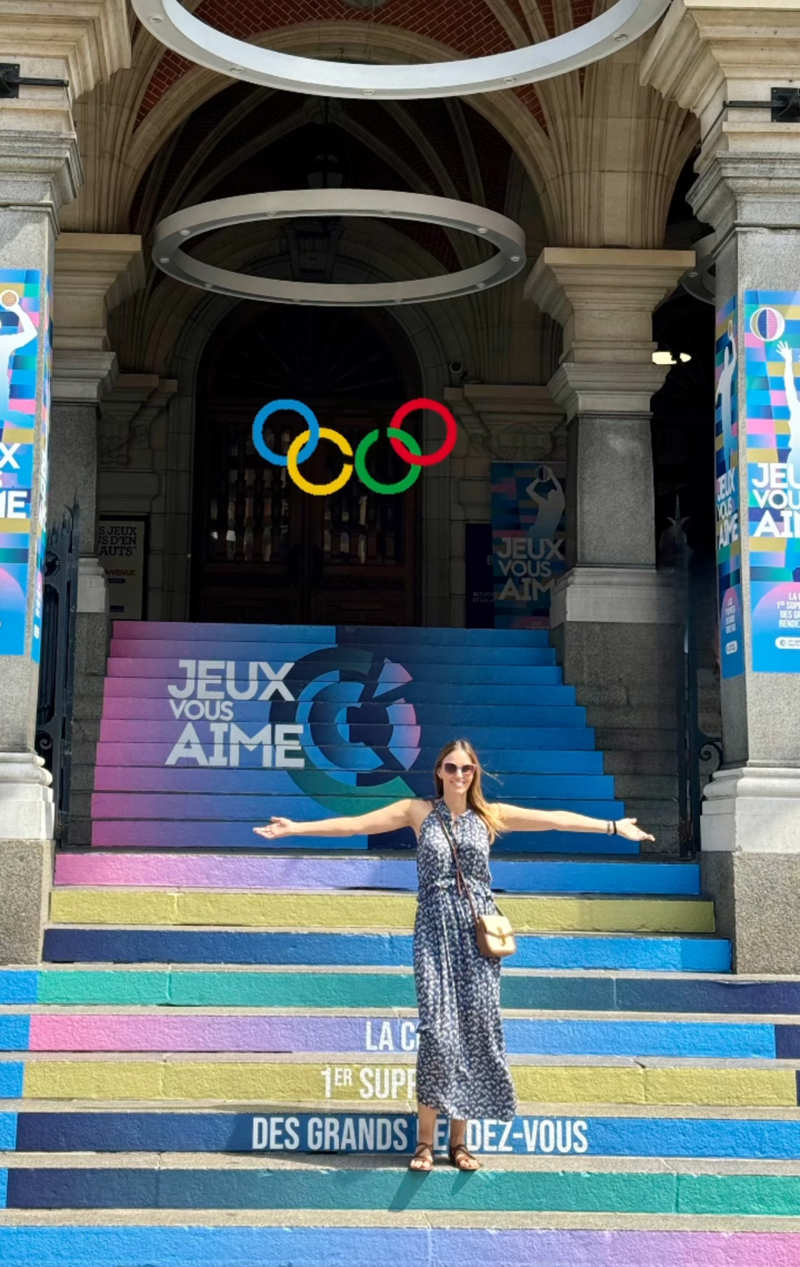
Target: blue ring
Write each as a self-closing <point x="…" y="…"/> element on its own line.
<point x="295" y="406"/>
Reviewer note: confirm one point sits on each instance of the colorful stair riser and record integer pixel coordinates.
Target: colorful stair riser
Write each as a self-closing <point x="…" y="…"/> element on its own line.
<point x="364" y="1247"/>
<point x="576" y="951"/>
<point x="279" y="873"/>
<point x="346" y="1188"/>
<point x="389" y="911"/>
<point x="200" y="1032"/>
<point x="394" y="1134"/>
<point x="306" y="1081"/>
<point x="215" y="987"/>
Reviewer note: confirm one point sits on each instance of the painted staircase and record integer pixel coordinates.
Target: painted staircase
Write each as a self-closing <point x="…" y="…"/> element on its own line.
<point x="214" y="1064"/>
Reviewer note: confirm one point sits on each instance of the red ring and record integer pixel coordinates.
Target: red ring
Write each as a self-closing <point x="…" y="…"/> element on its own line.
<point x="424" y="402"/>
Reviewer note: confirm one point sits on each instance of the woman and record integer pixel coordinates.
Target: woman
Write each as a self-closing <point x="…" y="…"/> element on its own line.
<point x="462" y="1068"/>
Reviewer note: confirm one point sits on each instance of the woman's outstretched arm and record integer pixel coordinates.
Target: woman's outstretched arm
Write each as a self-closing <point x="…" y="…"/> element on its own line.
<point x="517" y="819"/>
<point x="389" y="818"/>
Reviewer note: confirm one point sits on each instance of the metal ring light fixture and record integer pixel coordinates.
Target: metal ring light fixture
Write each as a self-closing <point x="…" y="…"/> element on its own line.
<point x="176" y="230"/>
<point x="187" y="35"/>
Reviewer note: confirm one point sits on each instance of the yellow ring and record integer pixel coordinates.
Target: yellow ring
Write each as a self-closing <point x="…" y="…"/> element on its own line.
<point x="319" y="490"/>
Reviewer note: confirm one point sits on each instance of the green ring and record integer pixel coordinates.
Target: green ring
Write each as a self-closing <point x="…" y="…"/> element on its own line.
<point x="375" y="486"/>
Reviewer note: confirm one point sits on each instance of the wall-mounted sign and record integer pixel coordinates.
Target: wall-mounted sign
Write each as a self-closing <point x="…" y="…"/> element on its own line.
<point x="20" y="328"/>
<point x="527" y="541"/>
<point x="726" y="485"/>
<point x="304" y="446"/>
<point x="772" y="343"/>
<point x="121" y="552"/>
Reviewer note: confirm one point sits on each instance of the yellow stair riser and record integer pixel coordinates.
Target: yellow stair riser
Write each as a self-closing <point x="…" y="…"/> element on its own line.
<point x="383" y="911"/>
<point x="315" y="1082"/>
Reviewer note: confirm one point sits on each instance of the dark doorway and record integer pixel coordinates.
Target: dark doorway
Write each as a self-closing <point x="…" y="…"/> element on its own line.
<point x="265" y="551"/>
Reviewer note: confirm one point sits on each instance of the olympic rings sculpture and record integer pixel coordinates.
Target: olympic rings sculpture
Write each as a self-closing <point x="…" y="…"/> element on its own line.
<point x="176" y="230"/>
<point x="304" y="446"/>
<point x="187" y="35"/>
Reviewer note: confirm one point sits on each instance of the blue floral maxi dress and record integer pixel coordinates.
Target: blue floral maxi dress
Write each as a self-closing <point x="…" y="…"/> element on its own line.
<point x="462" y="1068"/>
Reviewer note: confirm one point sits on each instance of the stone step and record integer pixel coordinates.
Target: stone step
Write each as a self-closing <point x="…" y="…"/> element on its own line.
<point x="534" y="1132"/>
<point x="517" y="788"/>
<point x="160" y="658"/>
<point x="167" y="985"/>
<point x="188" y="633"/>
<point x="153" y="1030"/>
<point x="541" y="671"/>
<point x="501" y="761"/>
<point x="215" y="834"/>
<point x="67" y="1239"/>
<point x="739" y="1189"/>
<point x="298" y="1080"/>
<point x="180" y="1239"/>
<point x="115" y="944"/>
<point x="473" y="694"/>
<point x="357" y="871"/>
<point x="381" y="911"/>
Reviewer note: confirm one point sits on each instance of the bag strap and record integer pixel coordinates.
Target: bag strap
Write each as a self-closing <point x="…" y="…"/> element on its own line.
<point x="460" y="881"/>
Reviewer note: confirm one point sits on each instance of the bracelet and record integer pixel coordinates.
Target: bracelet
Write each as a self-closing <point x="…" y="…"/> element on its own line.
<point x="609" y="826"/>
<point x="614" y="825"/>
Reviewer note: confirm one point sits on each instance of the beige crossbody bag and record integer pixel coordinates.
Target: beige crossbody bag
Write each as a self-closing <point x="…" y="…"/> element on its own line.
<point x="494" y="933"/>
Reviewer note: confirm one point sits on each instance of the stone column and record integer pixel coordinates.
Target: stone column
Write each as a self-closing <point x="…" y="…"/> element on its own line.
<point x="40" y="170"/>
<point x="613" y="618"/>
<point x="94" y="273"/>
<point x="712" y="59"/>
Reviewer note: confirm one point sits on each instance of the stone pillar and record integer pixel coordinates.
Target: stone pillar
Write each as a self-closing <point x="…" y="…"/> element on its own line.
<point x="94" y="273"/>
<point x="498" y="422"/>
<point x="614" y="619"/>
<point x="712" y="58"/>
<point x="40" y="170"/>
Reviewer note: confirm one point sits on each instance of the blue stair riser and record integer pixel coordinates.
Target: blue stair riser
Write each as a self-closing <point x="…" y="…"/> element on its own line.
<point x="396" y="873"/>
<point x="454" y="675"/>
<point x="258" y="809"/>
<point x="645" y="953"/>
<point x="370" y="724"/>
<point x="162" y="657"/>
<point x="395" y="1134"/>
<point x="534" y="761"/>
<point x="695" y="1040"/>
<point x="471" y="697"/>
<point x="174" y="834"/>
<point x="198" y="987"/>
<point x="343" y="635"/>
<point x="520" y="788"/>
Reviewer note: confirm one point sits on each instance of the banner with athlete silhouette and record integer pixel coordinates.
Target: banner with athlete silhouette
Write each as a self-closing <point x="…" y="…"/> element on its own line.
<point x="20" y="327"/>
<point x="527" y="541"/>
<point x="772" y="362"/>
<point x="726" y="490"/>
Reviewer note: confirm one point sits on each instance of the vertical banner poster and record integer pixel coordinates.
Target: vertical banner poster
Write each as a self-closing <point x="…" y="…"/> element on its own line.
<point x="20" y="325"/>
<point x="772" y="343"/>
<point x="527" y="541"/>
<point x="121" y="554"/>
<point x="726" y="486"/>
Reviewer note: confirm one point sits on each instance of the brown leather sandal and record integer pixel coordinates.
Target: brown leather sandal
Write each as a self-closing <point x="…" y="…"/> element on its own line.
<point x="462" y="1158"/>
<point x="423" y="1156"/>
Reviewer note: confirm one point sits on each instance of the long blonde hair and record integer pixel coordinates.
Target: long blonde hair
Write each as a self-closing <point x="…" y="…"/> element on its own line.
<point x="475" y="797"/>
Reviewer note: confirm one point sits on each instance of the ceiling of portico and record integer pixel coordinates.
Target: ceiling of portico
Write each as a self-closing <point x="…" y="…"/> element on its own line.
<point x="602" y="153"/>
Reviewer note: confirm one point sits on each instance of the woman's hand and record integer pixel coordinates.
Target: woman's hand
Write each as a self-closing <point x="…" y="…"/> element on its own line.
<point x="627" y="827"/>
<point x="275" y="827"/>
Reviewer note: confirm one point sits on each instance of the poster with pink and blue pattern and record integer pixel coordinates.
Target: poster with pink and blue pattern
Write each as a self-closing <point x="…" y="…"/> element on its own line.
<point x="20" y="326"/>
<point x="726" y="490"/>
<point x="772" y="345"/>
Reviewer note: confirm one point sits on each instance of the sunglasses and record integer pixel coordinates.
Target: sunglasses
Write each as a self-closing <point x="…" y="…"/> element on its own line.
<point x="450" y="767"/>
